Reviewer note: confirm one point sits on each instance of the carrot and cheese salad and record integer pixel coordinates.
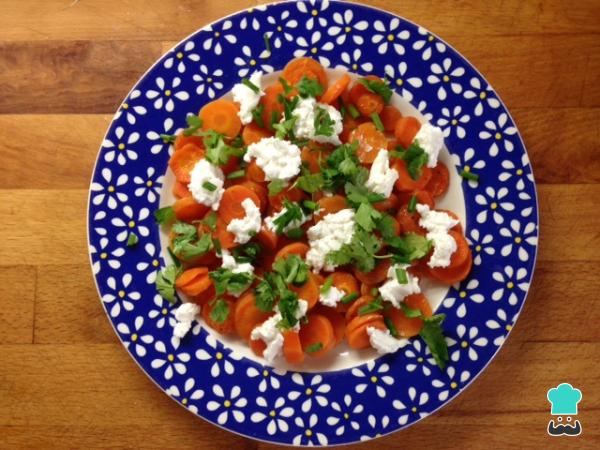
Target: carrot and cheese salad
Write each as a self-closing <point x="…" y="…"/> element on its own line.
<point x="306" y="216"/>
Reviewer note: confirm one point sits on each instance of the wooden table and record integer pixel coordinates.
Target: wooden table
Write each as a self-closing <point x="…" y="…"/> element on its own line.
<point x="65" y="65"/>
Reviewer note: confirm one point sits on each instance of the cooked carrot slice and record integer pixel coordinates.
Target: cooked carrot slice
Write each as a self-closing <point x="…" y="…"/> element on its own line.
<point x="329" y="205"/>
<point x="228" y="325"/>
<point x="221" y="116"/>
<point x="406" y="129"/>
<point x="189" y="276"/>
<point x="267" y="238"/>
<point x="336" y="89"/>
<point x="252" y="133"/>
<point x="293" y="194"/>
<point x="407" y="326"/>
<point x="461" y="254"/>
<point x="292" y="348"/>
<point x="187" y="209"/>
<point x="317" y="330"/>
<point x="298" y="68"/>
<point x="377" y="275"/>
<point x="182" y="140"/>
<point x="453" y="274"/>
<point x="370" y="141"/>
<point x="405" y="183"/>
<point x="231" y="203"/>
<point x="389" y="203"/>
<point x="369" y="104"/>
<point x="346" y="283"/>
<point x="295" y="248"/>
<point x="350" y="125"/>
<point x="389" y="115"/>
<point x="440" y="180"/>
<point x="356" y="331"/>
<point x="359" y="89"/>
<point x="258" y="346"/>
<point x="260" y="190"/>
<point x="248" y="316"/>
<point x="226" y="238"/>
<point x="180" y="190"/>
<point x="271" y="104"/>
<point x="337" y="321"/>
<point x="367" y="289"/>
<point x="420" y="302"/>
<point x="183" y="161"/>
<point x="313" y="157"/>
<point x="255" y="173"/>
<point x="423" y="197"/>
<point x="309" y="291"/>
<point x="352" y="311"/>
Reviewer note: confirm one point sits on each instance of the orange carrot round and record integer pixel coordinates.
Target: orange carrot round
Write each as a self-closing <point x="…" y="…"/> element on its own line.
<point x="329" y="205"/>
<point x="221" y="116"/>
<point x="440" y="180"/>
<point x="182" y="140"/>
<point x="183" y="161"/>
<point x="248" y="316"/>
<point x="226" y="238"/>
<point x="255" y="173"/>
<point x="356" y="331"/>
<point x="405" y="183"/>
<point x="295" y="248"/>
<point x="317" y="330"/>
<point x="298" y="68"/>
<point x="406" y="129"/>
<point x="352" y="311"/>
<point x="377" y="275"/>
<point x="292" y="348"/>
<point x="267" y="238"/>
<point x="231" y="203"/>
<point x="228" y="325"/>
<point x="180" y="190"/>
<point x="271" y="104"/>
<point x="389" y="117"/>
<point x="260" y="190"/>
<point x="389" y="203"/>
<point x="258" y="346"/>
<point x="309" y="291"/>
<point x="187" y="209"/>
<point x="370" y="141"/>
<point x="453" y="274"/>
<point x="252" y="133"/>
<point x="336" y="89"/>
<point x="293" y="194"/>
<point x="337" y="322"/>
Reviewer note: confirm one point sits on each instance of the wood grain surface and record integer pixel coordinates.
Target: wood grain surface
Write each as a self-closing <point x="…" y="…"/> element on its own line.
<point x="66" y="382"/>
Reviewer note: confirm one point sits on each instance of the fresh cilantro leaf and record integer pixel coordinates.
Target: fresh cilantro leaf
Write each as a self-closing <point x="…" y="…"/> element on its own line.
<point x="264" y="295"/>
<point x="288" y="305"/>
<point x="366" y="216"/>
<point x="210" y="220"/>
<point x="386" y="226"/>
<point x="378" y="87"/>
<point x="194" y="123"/>
<point x="286" y="86"/>
<point x="415" y="158"/>
<point x="293" y="269"/>
<point x="289" y="104"/>
<point x="314" y="347"/>
<point x="257" y="115"/>
<point x="276" y="186"/>
<point x="132" y="239"/>
<point x="217" y="152"/>
<point x="357" y="194"/>
<point x="323" y="123"/>
<point x="165" y="282"/>
<point x="295" y="233"/>
<point x="309" y="87"/>
<point x="246" y="253"/>
<point x="374" y="306"/>
<point x="219" y="311"/>
<point x="360" y="251"/>
<point x="226" y="281"/>
<point x="433" y="336"/>
<point x="419" y="245"/>
<point x="291" y="212"/>
<point x="187" y="244"/>
<point x="311" y="182"/>
<point x="168" y="138"/>
<point x="285" y="128"/>
<point x="164" y="215"/>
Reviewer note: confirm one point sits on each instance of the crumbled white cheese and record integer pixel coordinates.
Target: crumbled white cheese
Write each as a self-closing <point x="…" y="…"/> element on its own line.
<point x="331" y="297"/>
<point x="279" y="159"/>
<point x="247" y="98"/>
<point x="205" y="172"/>
<point x="185" y="315"/>
<point x="383" y="341"/>
<point x="394" y="292"/>
<point x="329" y="235"/>
<point x="431" y="139"/>
<point x="437" y="224"/>
<point x="382" y="177"/>
<point x="300" y="312"/>
<point x="304" y="127"/>
<point x="296" y="223"/>
<point x="249" y="225"/>
<point x="230" y="263"/>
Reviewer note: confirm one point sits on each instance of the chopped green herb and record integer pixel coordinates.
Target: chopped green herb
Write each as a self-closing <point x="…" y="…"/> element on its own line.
<point x="309" y="87"/>
<point x="210" y="220"/>
<point x="291" y="212"/>
<point x="374" y="291"/>
<point x="361" y="251"/>
<point x="194" y="123"/>
<point x="217" y="152"/>
<point x="293" y="269"/>
<point x="267" y="40"/>
<point x="323" y="122"/>
<point x="295" y="233"/>
<point x="219" y="311"/>
<point x="264" y="295"/>
<point x="132" y="239"/>
<point x="415" y="158"/>
<point x="257" y="115"/>
<point x="209" y="186"/>
<point x="378" y="87"/>
<point x="285" y="128"/>
<point x="353" y="111"/>
<point x="386" y="225"/>
<point x="165" y="282"/>
<point x="410" y="312"/>
<point x="187" y="243"/>
<point x="412" y="204"/>
<point x="327" y="285"/>
<point x="164" y="215"/>
<point x="286" y="86"/>
<point x="433" y="336"/>
<point x="226" y="281"/>
<point x="374" y="306"/>
<point x="276" y="186"/>
<point x="467" y="175"/>
<point x="288" y="305"/>
<point x="349" y="298"/>
<point x="315" y="347"/>
<point x="366" y="216"/>
<point x="168" y="138"/>
<point x="310" y="205"/>
<point x="250" y="85"/>
<point x="274" y="119"/>
<point x="393" y="330"/>
<point x="217" y="246"/>
<point x="377" y="121"/>
<point x="311" y="182"/>
<point x="236" y="174"/>
<point x="401" y="276"/>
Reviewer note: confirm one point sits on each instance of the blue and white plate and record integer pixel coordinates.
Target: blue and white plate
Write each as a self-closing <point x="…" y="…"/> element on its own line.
<point x="355" y="396"/>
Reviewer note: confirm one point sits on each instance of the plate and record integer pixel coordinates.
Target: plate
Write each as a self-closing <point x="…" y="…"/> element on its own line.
<point x="358" y="396"/>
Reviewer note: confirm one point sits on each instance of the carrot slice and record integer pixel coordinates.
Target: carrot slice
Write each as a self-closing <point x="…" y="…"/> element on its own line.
<point x="271" y="104"/>
<point x="267" y="238"/>
<point x="455" y="274"/>
<point x="377" y="275"/>
<point x="255" y="173"/>
<point x="183" y="161"/>
<point x="367" y="289"/>
<point x="318" y="329"/>
<point x="309" y="291"/>
<point x="248" y="316"/>
<point x="359" y="89"/>
<point x="292" y="348"/>
<point x="440" y="180"/>
<point x="423" y="197"/>
<point x="295" y="248"/>
<point x="409" y="222"/>
<point x="182" y="140"/>
<point x="258" y="346"/>
<point x="356" y="332"/>
<point x="260" y="190"/>
<point x="187" y="209"/>
<point x="405" y="183"/>
<point x="352" y="311"/>
<point x="228" y="325"/>
<point x="407" y="326"/>
<point x="389" y="203"/>
<point x="226" y="238"/>
<point x="420" y="302"/>
<point x="369" y="104"/>
<point x="252" y="133"/>
<point x="189" y="276"/>
<point x="293" y="194"/>
<point x="298" y="68"/>
<point x="337" y="321"/>
<point x="329" y="205"/>
<point x="406" y="129"/>
<point x="370" y="141"/>
<point x="389" y="115"/>
<point x="349" y="125"/>
<point x="312" y="157"/>
<point x="336" y="89"/>
<point x="231" y="203"/>
<point x="221" y="116"/>
<point x="461" y="254"/>
<point x="180" y="190"/>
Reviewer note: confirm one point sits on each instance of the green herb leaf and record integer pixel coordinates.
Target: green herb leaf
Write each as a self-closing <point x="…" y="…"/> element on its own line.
<point x="377" y="121"/>
<point x="274" y="119"/>
<point x="264" y="296"/>
<point x="288" y="305"/>
<point x="349" y="298"/>
<point x="357" y="194"/>
<point x="286" y="86"/>
<point x="410" y="312"/>
<point x="310" y="205"/>
<point x="250" y="85"/>
<point x="327" y="285"/>
<point x="165" y="282"/>
<point x="386" y="226"/>
<point x="374" y="306"/>
<point x="226" y="281"/>
<point x="219" y="311"/>
<point x="468" y="175"/>
<point x="194" y="124"/>
<point x="291" y="212"/>
<point x="433" y="336"/>
<point x="285" y="128"/>
<point x="236" y="174"/>
<point x="415" y="158"/>
<point x="293" y="269"/>
<point x="257" y="115"/>
<point x="267" y="40"/>
<point x="248" y="252"/>
<point x="360" y="251"/>
<point x="217" y="152"/>
<point x="295" y="233"/>
<point x="276" y="186"/>
<point x="393" y="330"/>
<point x="401" y="276"/>
<point x="419" y="246"/>
<point x="209" y="186"/>
<point x="168" y="138"/>
<point x="309" y="87"/>
<point x="378" y="87"/>
<point x="311" y="182"/>
<point x="187" y="244"/>
<point x="412" y="204"/>
<point x="164" y="215"/>
<point x="132" y="239"/>
<point x="353" y="111"/>
<point x="210" y="220"/>
<point x="366" y="216"/>
<point x="323" y="122"/>
<point x="315" y="347"/>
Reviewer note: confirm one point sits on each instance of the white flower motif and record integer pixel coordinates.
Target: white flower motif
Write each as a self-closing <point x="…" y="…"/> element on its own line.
<point x="163" y="314"/>
<point x="130" y="224"/>
<point x="518" y="238"/>
<point x="482" y="94"/>
<point x="399" y="77"/>
<point x="345" y="416"/>
<point x="353" y="61"/>
<point x="281" y="25"/>
<point x="525" y="212"/>
<point x="217" y="35"/>
<point x="372" y="421"/>
<point x="499" y="132"/>
<point x="165" y="95"/>
<point x="509" y="279"/>
<point x="417" y="357"/>
<point x="469" y="342"/>
<point x="422" y="107"/>
<point x="452" y="121"/>
<point x="312" y="48"/>
<point x="306" y="438"/>
<point x="453" y="382"/>
<point x="150" y="186"/>
<point x="129" y="110"/>
<point x="247" y="62"/>
<point x="374" y="377"/>
<point x="446" y="76"/>
<point x="493" y="200"/>
<point x="155" y="136"/>
<point x="177" y="59"/>
<point x="314" y="389"/>
<point x="120" y="295"/>
<point x="109" y="191"/>
<point x="502" y="324"/>
<point x="464" y="295"/>
<point x="268" y="377"/>
<point x="189" y="394"/>
<point x="389" y="36"/>
<point x="111" y="258"/>
<point x="208" y="81"/>
<point x="249" y="22"/>
<point x="313" y="7"/>
<point x="512" y="169"/>
<point x="231" y="403"/>
<point x="479" y="243"/>
<point x="414" y="407"/>
<point x="133" y="337"/>
<point x="221" y="359"/>
<point x="152" y="265"/>
<point x="467" y="164"/>
<point x="171" y="360"/>
<point x="120" y="149"/>
<point x="277" y="415"/>
<point x="427" y="44"/>
<point x="344" y="27"/>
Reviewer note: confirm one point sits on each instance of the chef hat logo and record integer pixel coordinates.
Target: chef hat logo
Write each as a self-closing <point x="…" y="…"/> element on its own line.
<point x="564" y="399"/>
